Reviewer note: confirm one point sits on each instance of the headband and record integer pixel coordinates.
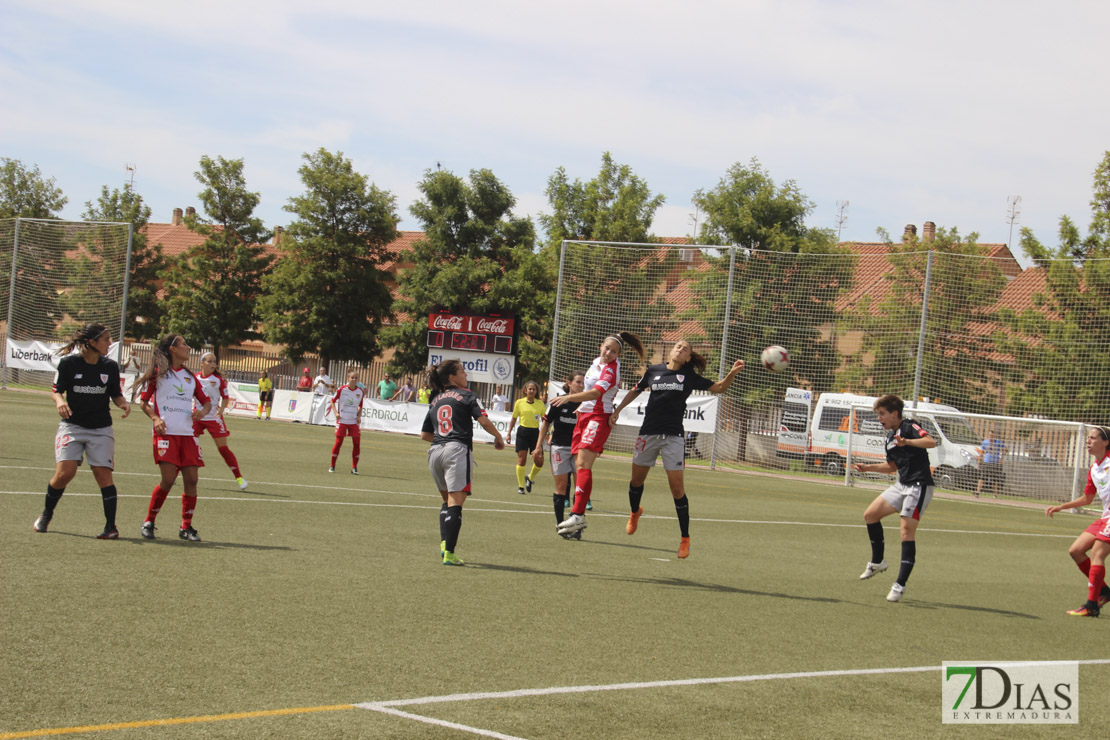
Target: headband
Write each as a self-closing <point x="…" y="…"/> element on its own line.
<point x="618" y="340"/>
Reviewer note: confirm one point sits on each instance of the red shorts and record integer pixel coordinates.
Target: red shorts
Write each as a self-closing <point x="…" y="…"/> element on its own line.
<point x="184" y="452"/>
<point x="343" y="430"/>
<point x="216" y="427"/>
<point x="1100" y="529"/>
<point x="590" y="433"/>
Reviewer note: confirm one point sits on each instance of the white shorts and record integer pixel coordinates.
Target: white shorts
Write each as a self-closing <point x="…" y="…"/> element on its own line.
<point x="73" y="442"/>
<point x="562" y="461"/>
<point x="650" y="447"/>
<point x="450" y="466"/>
<point x="909" y="500"/>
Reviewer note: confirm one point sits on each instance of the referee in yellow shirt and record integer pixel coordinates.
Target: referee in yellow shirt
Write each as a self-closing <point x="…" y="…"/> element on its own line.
<point x="530" y="411"/>
<point x="265" y="395"/>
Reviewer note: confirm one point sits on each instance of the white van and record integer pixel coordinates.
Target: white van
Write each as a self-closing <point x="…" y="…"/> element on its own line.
<point x="954" y="460"/>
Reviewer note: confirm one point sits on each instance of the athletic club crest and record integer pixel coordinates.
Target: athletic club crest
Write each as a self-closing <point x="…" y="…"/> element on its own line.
<point x="681" y="378"/>
<point x="104" y="378"/>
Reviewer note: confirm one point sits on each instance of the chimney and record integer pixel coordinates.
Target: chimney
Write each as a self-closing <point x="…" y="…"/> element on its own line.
<point x="929" y="231"/>
<point x="176" y="217"/>
<point x="910" y="233"/>
<point x="278" y="231"/>
<point x="190" y="211"/>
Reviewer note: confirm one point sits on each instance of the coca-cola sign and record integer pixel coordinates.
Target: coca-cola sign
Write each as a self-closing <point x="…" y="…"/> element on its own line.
<point x="471" y="324"/>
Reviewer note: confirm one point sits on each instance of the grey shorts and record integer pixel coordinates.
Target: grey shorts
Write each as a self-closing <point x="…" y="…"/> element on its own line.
<point x="910" y="501"/>
<point x="650" y="447"/>
<point x="98" y="446"/>
<point x="562" y="461"/>
<point x="450" y="466"/>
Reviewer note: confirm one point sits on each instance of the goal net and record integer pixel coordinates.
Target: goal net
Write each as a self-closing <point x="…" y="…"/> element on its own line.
<point x="975" y="339"/>
<point x="56" y="277"/>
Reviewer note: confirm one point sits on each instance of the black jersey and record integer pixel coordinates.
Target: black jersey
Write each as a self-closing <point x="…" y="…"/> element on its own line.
<point x="666" y="407"/>
<point x="88" y="389"/>
<point x="562" y="420"/>
<point x="912" y="462"/>
<point x="450" y="416"/>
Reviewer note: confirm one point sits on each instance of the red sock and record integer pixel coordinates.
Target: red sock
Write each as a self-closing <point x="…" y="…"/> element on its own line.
<point x="335" y="450"/>
<point x="583" y="484"/>
<point x="188" y="506"/>
<point x="229" y="458"/>
<point x="1085" y="566"/>
<point x="157" y="498"/>
<point x="1098" y="580"/>
<point x="356" y="446"/>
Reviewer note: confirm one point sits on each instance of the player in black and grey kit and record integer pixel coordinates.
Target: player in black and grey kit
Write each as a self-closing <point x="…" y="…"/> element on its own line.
<point x="560" y="421"/>
<point x="662" y="431"/>
<point x="449" y="428"/>
<point x="83" y="386"/>
<point x="907" y="446"/>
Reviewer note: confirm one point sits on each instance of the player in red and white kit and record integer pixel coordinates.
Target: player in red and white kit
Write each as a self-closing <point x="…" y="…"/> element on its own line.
<point x="592" y="430"/>
<point x="214" y="386"/>
<point x="168" y="394"/>
<point x="1096" y="538"/>
<point x="346" y="405"/>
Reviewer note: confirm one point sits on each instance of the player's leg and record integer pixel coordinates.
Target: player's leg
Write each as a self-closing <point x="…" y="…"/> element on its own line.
<point x="457" y="464"/>
<point x="521" y="454"/>
<point x="168" y="475"/>
<point x="108" y="497"/>
<point x="356" y="448"/>
<point x="872" y="517"/>
<point x="340" y="432"/>
<point x="675" y="479"/>
<point x="190" y="474"/>
<point x="64" y="472"/>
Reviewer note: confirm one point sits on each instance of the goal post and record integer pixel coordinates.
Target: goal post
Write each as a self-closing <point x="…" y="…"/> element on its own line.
<point x="58" y="276"/>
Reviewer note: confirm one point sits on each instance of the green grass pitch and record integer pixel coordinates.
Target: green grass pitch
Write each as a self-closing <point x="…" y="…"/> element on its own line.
<point x="317" y="591"/>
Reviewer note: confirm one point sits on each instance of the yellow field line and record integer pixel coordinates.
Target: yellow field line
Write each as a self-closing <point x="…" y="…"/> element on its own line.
<point x="174" y="721"/>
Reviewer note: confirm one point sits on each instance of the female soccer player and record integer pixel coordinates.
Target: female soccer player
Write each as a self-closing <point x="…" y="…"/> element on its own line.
<point x="530" y="411"/>
<point x="560" y="421"/>
<point x="906" y="453"/>
<point x="346" y="405"/>
<point x="265" y="395"/>
<point x="662" y="431"/>
<point x="88" y="379"/>
<point x="1096" y="538"/>
<point x="601" y="384"/>
<point x="449" y="429"/>
<point x="167" y="398"/>
<point x="215" y="388"/>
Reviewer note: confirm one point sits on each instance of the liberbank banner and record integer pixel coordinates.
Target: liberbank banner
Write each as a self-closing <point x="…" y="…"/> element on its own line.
<point x="701" y="410"/>
<point x="40" y="356"/>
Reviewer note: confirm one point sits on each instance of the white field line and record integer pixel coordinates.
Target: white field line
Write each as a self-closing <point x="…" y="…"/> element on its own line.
<point x="439" y="722"/>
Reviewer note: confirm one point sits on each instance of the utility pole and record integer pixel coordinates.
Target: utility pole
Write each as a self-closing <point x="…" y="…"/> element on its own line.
<point x="1013" y="213"/>
<point x="130" y="167"/>
<point x="841" y="217"/>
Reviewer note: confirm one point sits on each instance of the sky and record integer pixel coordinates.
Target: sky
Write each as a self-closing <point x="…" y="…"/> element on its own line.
<point x="907" y="112"/>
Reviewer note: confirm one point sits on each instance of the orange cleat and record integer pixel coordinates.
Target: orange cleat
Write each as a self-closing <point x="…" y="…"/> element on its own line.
<point x="684" y="547"/>
<point x="633" y="521"/>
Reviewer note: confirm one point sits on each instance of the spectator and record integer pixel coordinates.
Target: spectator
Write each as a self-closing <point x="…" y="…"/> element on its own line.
<point x="322" y="388"/>
<point x="990" y="468"/>
<point x="387" y="388"/>
<point x="305" y="383"/>
<point x="424" y="395"/>
<point x="406" y="394"/>
<point x="500" y="400"/>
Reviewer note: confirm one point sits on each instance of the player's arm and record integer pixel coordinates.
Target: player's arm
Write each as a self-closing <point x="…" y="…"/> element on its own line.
<point x="206" y="402"/>
<point x="924" y="442"/>
<point x="428" y="437"/>
<point x="883" y="467"/>
<point x="537" y="454"/>
<point x="512" y="420"/>
<point x="491" y="428"/>
<point x="629" y="397"/>
<point x="225" y="399"/>
<point x="591" y="395"/>
<point x="63" y="407"/>
<point x="1084" y="500"/>
<point x="724" y="383"/>
<point x="121" y="403"/>
<point x="150" y="411"/>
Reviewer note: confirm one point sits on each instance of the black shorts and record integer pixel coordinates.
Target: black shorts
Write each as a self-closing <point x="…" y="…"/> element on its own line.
<point x="992" y="473"/>
<point x="526" y="438"/>
<point x="265" y="396"/>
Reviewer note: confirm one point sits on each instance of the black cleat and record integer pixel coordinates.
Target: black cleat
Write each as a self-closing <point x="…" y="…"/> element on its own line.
<point x="188" y="533"/>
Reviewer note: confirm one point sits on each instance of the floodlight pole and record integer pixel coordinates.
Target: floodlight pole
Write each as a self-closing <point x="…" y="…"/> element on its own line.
<point x="11" y="305"/>
<point x="724" y="349"/>
<point x="921" y="331"/>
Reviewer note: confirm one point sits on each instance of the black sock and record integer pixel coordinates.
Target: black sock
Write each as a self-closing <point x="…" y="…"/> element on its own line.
<point x="682" y="508"/>
<point x="909" y="554"/>
<point x="108" y="497"/>
<point x="560" y="502"/>
<point x="53" y="496"/>
<point x="442" y="525"/>
<point x="453" y="523"/>
<point x="875" y="532"/>
<point x="635" y="493"/>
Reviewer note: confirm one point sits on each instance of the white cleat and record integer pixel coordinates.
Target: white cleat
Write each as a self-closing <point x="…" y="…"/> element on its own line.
<point x="242" y="484"/>
<point x="896" y="592"/>
<point x="872" y="569"/>
<point x="573" y="523"/>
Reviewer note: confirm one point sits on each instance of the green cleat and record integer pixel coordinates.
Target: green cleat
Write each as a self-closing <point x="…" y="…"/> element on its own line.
<point x="450" y="558"/>
<point x="442" y="547"/>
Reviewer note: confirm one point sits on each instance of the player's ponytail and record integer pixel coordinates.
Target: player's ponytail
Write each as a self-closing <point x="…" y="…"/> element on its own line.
<point x="697" y="361"/>
<point x="82" y="337"/>
<point x="439" y="377"/>
<point x="627" y="338"/>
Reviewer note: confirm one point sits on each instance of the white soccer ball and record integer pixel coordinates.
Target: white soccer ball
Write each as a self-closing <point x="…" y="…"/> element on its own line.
<point x="775" y="358"/>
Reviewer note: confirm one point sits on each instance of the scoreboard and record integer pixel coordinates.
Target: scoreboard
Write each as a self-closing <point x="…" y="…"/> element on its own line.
<point x="490" y="333"/>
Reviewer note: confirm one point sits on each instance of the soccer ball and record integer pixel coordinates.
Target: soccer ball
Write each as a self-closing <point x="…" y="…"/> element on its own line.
<point x="775" y="358"/>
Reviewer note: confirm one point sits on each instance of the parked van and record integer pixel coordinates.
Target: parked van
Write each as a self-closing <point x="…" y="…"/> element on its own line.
<point x="955" y="459"/>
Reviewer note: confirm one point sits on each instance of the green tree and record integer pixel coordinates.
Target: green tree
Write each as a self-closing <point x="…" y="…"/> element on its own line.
<point x="1070" y="319"/>
<point x="328" y="293"/>
<point x="958" y="366"/>
<point x="214" y="287"/>
<point x="617" y="206"/>
<point x="104" y="248"/>
<point x="786" y="278"/>
<point x="25" y="193"/>
<point x="475" y="257"/>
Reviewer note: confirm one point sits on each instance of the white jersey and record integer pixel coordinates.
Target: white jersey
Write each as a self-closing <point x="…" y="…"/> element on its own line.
<point x="1098" y="483"/>
<point x="215" y="387"/>
<point x="605" y="378"/>
<point x="348" y="404"/>
<point x="172" y="396"/>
